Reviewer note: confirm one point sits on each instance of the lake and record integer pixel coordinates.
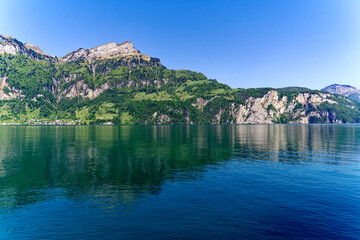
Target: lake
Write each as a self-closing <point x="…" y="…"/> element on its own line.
<point x="180" y="182"/>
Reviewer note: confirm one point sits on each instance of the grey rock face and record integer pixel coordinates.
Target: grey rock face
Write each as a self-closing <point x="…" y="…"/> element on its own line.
<point x="12" y="46"/>
<point x="108" y="50"/>
<point x="256" y="111"/>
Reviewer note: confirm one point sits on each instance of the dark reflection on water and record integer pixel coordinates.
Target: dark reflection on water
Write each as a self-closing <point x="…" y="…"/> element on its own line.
<point x="80" y="159"/>
<point x="258" y="181"/>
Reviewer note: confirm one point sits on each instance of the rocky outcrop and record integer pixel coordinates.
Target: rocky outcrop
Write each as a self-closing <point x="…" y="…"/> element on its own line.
<point x="11" y="93"/>
<point x="345" y="90"/>
<point x="161" y="118"/>
<point x="314" y="99"/>
<point x="255" y="109"/>
<point x="269" y="108"/>
<point x="9" y="46"/>
<point x="12" y="46"/>
<point x="81" y="89"/>
<point x="2" y="85"/>
<point x="200" y="103"/>
<point x="10" y="49"/>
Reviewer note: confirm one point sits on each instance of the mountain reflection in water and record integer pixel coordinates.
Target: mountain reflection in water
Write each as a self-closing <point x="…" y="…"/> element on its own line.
<point x="115" y="168"/>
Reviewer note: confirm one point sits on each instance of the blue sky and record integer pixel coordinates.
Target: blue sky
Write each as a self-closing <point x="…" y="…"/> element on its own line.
<point x="243" y="43"/>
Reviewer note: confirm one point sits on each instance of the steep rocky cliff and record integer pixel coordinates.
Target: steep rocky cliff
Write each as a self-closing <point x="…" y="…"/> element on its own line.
<point x="270" y="108"/>
<point x="109" y="50"/>
<point x="116" y="84"/>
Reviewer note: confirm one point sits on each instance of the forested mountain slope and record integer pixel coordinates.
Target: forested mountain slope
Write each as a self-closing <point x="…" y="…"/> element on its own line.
<point x="117" y="84"/>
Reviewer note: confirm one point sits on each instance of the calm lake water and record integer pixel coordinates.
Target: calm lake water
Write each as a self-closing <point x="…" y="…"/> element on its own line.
<point x="180" y="182"/>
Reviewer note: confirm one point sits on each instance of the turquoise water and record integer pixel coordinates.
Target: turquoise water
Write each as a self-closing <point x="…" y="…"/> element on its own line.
<point x="180" y="182"/>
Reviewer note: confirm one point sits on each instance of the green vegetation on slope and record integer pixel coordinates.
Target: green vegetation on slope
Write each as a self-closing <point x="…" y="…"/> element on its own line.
<point x="139" y="92"/>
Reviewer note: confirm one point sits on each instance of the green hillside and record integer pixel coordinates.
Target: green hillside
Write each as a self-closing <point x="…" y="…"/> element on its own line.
<point x="137" y="90"/>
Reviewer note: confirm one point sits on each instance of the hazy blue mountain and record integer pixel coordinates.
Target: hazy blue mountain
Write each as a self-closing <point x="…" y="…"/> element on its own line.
<point x="345" y="90"/>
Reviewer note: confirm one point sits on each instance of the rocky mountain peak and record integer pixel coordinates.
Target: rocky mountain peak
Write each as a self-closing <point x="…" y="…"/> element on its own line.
<point x="108" y="50"/>
<point x="8" y="45"/>
<point x="5" y="36"/>
<point x="35" y="49"/>
<point x="12" y="46"/>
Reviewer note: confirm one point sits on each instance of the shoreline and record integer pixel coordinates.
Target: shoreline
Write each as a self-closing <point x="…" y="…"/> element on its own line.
<point x="200" y="124"/>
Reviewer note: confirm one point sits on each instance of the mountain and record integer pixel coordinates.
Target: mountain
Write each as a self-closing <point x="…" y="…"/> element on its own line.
<point x="117" y="84"/>
<point x="345" y="90"/>
<point x="9" y="45"/>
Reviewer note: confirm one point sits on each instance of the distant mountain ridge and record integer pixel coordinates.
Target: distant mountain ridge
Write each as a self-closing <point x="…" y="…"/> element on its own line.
<point x="117" y="84"/>
<point x="345" y="90"/>
<point x="12" y="46"/>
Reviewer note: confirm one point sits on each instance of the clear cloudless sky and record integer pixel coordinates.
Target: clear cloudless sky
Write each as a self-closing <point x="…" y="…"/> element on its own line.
<point x="243" y="43"/>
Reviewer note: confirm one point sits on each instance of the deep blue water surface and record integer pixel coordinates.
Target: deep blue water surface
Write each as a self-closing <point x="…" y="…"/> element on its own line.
<point x="180" y="182"/>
